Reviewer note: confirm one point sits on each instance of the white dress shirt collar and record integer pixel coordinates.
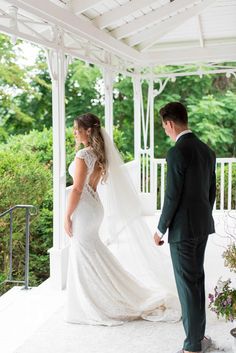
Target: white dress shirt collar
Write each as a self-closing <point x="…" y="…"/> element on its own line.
<point x="182" y="133"/>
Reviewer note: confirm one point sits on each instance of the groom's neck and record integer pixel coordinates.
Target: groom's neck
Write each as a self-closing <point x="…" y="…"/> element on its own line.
<point x="178" y="129"/>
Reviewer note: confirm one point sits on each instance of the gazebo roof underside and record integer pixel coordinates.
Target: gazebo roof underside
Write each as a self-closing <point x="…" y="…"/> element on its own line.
<point x="128" y="34"/>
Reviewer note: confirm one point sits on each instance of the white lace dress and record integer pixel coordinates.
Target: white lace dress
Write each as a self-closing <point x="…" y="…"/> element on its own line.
<point x="99" y="290"/>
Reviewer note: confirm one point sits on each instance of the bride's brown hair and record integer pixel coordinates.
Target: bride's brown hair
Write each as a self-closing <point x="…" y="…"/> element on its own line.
<point x="95" y="139"/>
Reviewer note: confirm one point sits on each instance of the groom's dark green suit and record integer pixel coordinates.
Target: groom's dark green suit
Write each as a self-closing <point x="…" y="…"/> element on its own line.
<point x="187" y="213"/>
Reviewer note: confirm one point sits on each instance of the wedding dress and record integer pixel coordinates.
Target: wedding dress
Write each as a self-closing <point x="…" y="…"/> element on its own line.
<point x="100" y="291"/>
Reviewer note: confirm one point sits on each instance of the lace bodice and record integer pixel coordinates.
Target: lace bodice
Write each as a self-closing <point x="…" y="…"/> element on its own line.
<point x="90" y="159"/>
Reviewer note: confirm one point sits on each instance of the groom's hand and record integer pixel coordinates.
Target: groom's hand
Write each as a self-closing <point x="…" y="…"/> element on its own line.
<point x="158" y="240"/>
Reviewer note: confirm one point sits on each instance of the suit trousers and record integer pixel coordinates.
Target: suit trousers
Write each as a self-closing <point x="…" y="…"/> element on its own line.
<point x="188" y="263"/>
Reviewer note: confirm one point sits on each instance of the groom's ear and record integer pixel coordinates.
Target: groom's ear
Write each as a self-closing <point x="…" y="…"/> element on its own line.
<point x="169" y="123"/>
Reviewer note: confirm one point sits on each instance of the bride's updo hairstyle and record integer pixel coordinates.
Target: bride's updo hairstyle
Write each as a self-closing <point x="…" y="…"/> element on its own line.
<point x="95" y="139"/>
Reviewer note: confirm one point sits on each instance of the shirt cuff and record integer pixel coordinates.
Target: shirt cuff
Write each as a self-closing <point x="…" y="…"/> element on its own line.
<point x="160" y="233"/>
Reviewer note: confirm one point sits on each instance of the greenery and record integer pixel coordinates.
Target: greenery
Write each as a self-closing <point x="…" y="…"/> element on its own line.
<point x="26" y="145"/>
<point x="223" y="301"/>
<point x="26" y="101"/>
<point x="24" y="180"/>
<point x="230" y="257"/>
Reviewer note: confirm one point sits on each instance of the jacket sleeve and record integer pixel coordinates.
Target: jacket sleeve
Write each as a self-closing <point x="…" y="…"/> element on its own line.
<point x="212" y="190"/>
<point x="176" y="168"/>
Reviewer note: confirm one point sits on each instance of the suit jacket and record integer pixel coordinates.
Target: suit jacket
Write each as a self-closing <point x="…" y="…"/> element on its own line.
<point x="190" y="190"/>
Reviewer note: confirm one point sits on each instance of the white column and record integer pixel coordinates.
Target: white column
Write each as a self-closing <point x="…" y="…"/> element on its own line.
<point x="58" y="63"/>
<point x="151" y="132"/>
<point x="144" y="144"/>
<point x="137" y="115"/>
<point x="108" y="77"/>
<point x="137" y="128"/>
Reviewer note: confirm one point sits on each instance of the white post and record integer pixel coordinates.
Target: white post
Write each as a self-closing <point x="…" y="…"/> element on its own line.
<point x="108" y="76"/>
<point x="144" y="144"/>
<point x="137" y="128"/>
<point x="151" y="137"/>
<point x="147" y="150"/>
<point x="58" y="63"/>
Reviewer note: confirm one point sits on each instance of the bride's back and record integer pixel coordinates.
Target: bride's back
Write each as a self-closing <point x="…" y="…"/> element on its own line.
<point x="95" y="176"/>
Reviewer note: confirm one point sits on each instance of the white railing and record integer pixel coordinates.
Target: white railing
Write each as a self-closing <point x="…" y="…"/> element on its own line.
<point x="226" y="183"/>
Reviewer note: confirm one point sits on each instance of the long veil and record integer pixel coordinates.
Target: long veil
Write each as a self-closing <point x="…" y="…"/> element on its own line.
<point x="127" y="233"/>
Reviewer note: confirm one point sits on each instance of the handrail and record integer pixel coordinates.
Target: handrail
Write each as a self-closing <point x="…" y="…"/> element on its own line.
<point x="27" y="233"/>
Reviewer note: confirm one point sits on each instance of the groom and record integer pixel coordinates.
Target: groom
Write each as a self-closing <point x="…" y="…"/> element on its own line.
<point x="187" y="213"/>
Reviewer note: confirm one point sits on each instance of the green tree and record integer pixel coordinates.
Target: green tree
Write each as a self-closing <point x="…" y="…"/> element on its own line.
<point x="13" y="81"/>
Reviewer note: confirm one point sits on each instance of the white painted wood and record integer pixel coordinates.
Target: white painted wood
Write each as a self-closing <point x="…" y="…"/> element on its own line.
<point x="69" y="22"/>
<point x="150" y="36"/>
<point x="190" y="55"/>
<point x="147" y="172"/>
<point x="137" y="116"/>
<point x="220" y="163"/>
<point x="151" y="129"/>
<point x="216" y="168"/>
<point x="56" y="62"/>
<point x="118" y="13"/>
<point x="201" y="39"/>
<point x="80" y="6"/>
<point x="162" y="183"/>
<point x="182" y="45"/>
<point x="143" y="171"/>
<point x="108" y="77"/>
<point x="229" y="185"/>
<point x="222" y="185"/>
<point x="151" y="18"/>
<point x="218" y="30"/>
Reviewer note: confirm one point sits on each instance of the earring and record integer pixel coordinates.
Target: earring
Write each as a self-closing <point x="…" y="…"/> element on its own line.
<point x="89" y="139"/>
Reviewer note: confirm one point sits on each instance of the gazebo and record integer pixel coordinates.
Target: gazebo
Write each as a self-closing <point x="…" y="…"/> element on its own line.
<point x="132" y="37"/>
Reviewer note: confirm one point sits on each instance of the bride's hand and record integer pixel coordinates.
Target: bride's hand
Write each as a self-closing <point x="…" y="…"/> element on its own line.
<point x="68" y="226"/>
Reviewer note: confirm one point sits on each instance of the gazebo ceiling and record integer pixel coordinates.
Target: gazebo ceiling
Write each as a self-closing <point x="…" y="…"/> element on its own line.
<point x="128" y="34"/>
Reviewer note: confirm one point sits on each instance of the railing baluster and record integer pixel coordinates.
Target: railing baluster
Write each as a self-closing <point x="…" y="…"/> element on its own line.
<point x="162" y="183"/>
<point x="221" y="164"/>
<point x="10" y="251"/>
<point x="27" y="220"/>
<point x="143" y="172"/>
<point x="155" y="173"/>
<point x="222" y="185"/>
<point x="147" y="171"/>
<point x="230" y="186"/>
<point x="27" y="234"/>
<point x="214" y="207"/>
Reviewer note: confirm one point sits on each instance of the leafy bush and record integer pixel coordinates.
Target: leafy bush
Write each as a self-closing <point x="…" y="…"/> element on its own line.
<point x="23" y="180"/>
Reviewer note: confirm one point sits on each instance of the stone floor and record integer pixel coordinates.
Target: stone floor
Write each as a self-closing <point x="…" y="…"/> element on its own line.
<point x="57" y="336"/>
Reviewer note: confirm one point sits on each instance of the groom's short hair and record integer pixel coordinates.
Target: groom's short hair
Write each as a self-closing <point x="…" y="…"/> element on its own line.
<point x="176" y="112"/>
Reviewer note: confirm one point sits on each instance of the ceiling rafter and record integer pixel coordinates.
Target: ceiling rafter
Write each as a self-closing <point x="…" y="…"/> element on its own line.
<point x="79" y="6"/>
<point x="164" y="27"/>
<point x="117" y="13"/>
<point x="179" y="45"/>
<point x="153" y="17"/>
<point x="201" y="38"/>
<point x="190" y="55"/>
<point x="93" y="45"/>
<point x="68" y="21"/>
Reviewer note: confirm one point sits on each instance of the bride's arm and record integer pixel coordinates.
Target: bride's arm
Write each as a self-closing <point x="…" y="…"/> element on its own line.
<point x="75" y="193"/>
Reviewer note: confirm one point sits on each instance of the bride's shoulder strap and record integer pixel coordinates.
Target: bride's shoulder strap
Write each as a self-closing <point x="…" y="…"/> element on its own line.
<point x="86" y="156"/>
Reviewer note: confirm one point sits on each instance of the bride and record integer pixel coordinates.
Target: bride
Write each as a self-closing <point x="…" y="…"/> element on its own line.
<point x="103" y="288"/>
